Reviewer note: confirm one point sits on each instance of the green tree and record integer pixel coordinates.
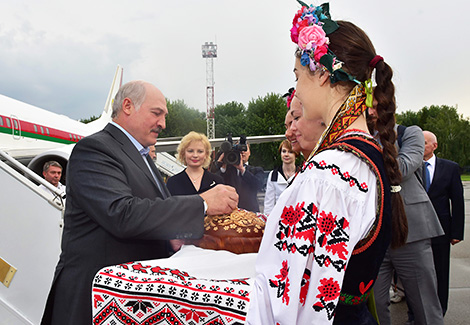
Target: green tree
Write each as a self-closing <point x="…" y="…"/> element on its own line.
<point x="90" y="119"/>
<point x="451" y="129"/>
<point x="265" y="116"/>
<point x="182" y="119"/>
<point x="230" y="118"/>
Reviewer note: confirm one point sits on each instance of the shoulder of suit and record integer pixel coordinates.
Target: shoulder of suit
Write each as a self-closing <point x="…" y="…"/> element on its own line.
<point x="412" y="129"/>
<point x="448" y="162"/>
<point x="255" y="169"/>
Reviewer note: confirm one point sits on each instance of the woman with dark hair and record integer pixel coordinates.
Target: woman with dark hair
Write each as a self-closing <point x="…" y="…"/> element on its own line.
<point x="280" y="176"/>
<point x="326" y="237"/>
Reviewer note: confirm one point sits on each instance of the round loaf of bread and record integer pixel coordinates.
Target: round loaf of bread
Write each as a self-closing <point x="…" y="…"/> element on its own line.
<point x="239" y="232"/>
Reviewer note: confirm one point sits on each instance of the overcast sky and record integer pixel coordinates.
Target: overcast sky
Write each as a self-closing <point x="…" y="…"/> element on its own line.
<point x="62" y="55"/>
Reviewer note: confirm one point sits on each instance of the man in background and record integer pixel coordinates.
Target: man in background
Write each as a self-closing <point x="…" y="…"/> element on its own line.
<point x="445" y="190"/>
<point x="153" y="153"/>
<point x="246" y="179"/>
<point x="52" y="172"/>
<point x="413" y="262"/>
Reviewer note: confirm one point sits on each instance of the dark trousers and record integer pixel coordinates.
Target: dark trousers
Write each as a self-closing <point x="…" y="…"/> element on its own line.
<point x="441" y="253"/>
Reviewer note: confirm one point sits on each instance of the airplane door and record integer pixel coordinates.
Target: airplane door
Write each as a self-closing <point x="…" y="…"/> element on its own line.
<point x="16" y="128"/>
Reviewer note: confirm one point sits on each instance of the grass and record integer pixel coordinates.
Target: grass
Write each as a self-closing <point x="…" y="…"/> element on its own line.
<point x="465" y="177"/>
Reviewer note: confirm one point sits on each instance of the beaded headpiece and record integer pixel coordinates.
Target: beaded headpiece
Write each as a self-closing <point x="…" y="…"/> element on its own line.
<point x="311" y="25"/>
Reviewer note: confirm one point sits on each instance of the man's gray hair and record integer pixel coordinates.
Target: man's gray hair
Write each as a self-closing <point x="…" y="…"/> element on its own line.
<point x="49" y="164"/>
<point x="134" y="90"/>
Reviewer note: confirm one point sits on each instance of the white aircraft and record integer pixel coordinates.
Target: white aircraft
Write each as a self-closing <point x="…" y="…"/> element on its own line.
<point x="33" y="135"/>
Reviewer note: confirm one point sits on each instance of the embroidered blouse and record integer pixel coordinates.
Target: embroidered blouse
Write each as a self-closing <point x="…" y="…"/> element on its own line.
<point x="309" y="239"/>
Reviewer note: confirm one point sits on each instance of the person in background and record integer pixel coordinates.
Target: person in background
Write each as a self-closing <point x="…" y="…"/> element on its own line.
<point x="153" y="153"/>
<point x="52" y="172"/>
<point x="446" y="193"/>
<point x="194" y="152"/>
<point x="246" y="179"/>
<point x="279" y="177"/>
<point x="412" y="262"/>
<point x="303" y="134"/>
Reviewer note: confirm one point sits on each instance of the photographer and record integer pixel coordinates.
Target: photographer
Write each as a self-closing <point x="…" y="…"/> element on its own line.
<point x="247" y="180"/>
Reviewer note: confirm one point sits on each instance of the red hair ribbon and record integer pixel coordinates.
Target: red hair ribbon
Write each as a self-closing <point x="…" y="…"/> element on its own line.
<point x="289" y="99"/>
<point x="375" y="60"/>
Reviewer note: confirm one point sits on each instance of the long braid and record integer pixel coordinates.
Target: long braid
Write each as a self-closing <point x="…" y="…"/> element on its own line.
<point x="353" y="47"/>
<point x="384" y="94"/>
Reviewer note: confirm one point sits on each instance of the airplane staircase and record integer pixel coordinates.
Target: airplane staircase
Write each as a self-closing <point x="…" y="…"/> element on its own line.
<point x="30" y="234"/>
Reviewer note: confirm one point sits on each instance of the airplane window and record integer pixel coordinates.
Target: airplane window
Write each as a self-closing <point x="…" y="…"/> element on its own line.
<point x="74" y="138"/>
<point x="1" y="121"/>
<point x="15" y="122"/>
<point x="35" y="128"/>
<point x="70" y="137"/>
<point x="8" y="122"/>
<point x="42" y="129"/>
<point x="47" y="131"/>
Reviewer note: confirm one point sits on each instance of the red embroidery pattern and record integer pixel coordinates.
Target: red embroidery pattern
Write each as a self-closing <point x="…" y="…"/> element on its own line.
<point x="296" y="229"/>
<point x="373" y="233"/>
<point x="329" y="291"/>
<point x="304" y="286"/>
<point x="336" y="170"/>
<point x="133" y="293"/>
<point x="333" y="237"/>
<point x="282" y="283"/>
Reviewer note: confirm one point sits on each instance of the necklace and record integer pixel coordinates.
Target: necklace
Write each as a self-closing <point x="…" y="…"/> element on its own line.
<point x="194" y="180"/>
<point x="288" y="174"/>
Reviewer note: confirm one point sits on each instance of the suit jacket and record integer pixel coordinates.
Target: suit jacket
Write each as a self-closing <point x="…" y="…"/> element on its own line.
<point x="114" y="214"/>
<point x="423" y="222"/>
<point x="181" y="184"/>
<point x="247" y="186"/>
<point x="446" y="194"/>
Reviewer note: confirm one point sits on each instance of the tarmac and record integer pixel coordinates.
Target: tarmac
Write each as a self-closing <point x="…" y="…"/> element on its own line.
<point x="458" y="312"/>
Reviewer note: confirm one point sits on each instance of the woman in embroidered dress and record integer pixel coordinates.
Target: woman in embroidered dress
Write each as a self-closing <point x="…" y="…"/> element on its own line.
<point x="325" y="239"/>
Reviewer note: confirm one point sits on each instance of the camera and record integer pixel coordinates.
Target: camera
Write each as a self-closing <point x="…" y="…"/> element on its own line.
<point x="232" y="152"/>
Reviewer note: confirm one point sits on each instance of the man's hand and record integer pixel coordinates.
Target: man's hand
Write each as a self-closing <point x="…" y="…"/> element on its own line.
<point x="454" y="241"/>
<point x="220" y="162"/>
<point x="220" y="199"/>
<point x="240" y="166"/>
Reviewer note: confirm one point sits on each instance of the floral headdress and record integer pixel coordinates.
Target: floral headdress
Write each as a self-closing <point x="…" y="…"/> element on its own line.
<point x="311" y="25"/>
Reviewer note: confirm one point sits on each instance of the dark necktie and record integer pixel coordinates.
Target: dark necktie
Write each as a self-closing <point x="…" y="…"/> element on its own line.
<point x="427" y="176"/>
<point x="149" y="161"/>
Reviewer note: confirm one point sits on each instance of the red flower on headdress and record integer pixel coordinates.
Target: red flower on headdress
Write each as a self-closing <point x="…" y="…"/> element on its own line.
<point x="319" y="52"/>
<point x="296" y="26"/>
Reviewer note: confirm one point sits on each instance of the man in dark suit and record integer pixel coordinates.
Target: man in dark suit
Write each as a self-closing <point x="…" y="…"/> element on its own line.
<point x="446" y="194"/>
<point x="118" y="208"/>
<point x="246" y="179"/>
